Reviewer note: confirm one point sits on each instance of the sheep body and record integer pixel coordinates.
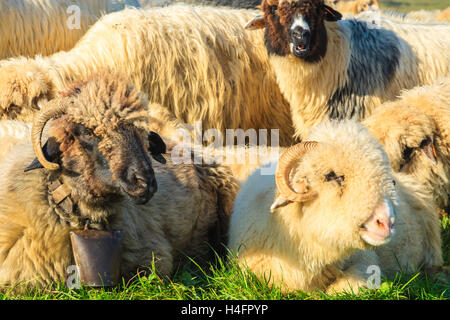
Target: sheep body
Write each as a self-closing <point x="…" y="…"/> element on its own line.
<point x="419" y="115"/>
<point x="12" y="133"/>
<point x="198" y="62"/>
<point x="397" y="17"/>
<point x="31" y="27"/>
<point x="313" y="245"/>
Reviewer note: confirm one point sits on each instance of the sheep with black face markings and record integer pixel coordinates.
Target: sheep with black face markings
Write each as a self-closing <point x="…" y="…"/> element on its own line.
<point x="97" y="155"/>
<point x="333" y="209"/>
<point x="415" y="132"/>
<point x="341" y="69"/>
<point x="198" y="62"/>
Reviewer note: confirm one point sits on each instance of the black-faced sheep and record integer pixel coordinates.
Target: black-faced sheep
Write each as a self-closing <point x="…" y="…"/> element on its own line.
<point x="198" y="62"/>
<point x="341" y="69"/>
<point x="95" y="169"/>
<point x="415" y="132"/>
<point x="332" y="211"/>
<point x="31" y="27"/>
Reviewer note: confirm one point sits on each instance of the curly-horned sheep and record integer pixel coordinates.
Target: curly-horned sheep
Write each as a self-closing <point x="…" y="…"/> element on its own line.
<point x="415" y="132"/>
<point x="31" y="27"/>
<point x="98" y="156"/>
<point x="198" y="62"/>
<point x="354" y="6"/>
<point x="341" y="69"/>
<point x="333" y="210"/>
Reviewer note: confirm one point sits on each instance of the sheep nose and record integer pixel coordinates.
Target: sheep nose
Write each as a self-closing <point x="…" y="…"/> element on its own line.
<point x="300" y="34"/>
<point x="381" y="223"/>
<point x="139" y="181"/>
<point x="144" y="183"/>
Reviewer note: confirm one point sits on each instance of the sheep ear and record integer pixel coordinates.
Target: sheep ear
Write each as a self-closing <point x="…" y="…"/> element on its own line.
<point x="331" y="14"/>
<point x="428" y="148"/>
<point x="157" y="147"/>
<point x="279" y="202"/>
<point x="51" y="153"/>
<point x="255" y="24"/>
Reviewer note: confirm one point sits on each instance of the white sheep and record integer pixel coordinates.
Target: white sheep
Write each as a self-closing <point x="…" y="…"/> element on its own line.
<point x="332" y="212"/>
<point x="415" y="132"/>
<point x="95" y="170"/>
<point x="31" y="27"/>
<point x="198" y="62"/>
<point x="341" y="69"/>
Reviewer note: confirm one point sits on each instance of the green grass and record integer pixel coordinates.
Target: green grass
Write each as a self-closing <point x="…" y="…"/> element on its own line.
<point x="226" y="281"/>
<point x="413" y="5"/>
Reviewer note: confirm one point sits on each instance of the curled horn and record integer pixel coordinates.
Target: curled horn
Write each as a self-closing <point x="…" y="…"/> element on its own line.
<point x="48" y="111"/>
<point x="285" y="165"/>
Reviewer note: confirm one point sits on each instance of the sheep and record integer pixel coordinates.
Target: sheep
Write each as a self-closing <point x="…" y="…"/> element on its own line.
<point x="435" y="15"/>
<point x="354" y="7"/>
<point x="343" y="69"/>
<point x="31" y="27"/>
<point x="198" y="62"/>
<point x="444" y="15"/>
<point x="415" y="132"/>
<point x="337" y="215"/>
<point x="98" y="152"/>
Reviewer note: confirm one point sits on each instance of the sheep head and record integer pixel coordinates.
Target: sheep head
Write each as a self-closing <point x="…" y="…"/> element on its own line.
<point x="295" y="27"/>
<point x="407" y="135"/>
<point x="97" y="142"/>
<point x="344" y="191"/>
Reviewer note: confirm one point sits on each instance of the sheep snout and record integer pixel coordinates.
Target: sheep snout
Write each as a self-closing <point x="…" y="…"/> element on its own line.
<point x="378" y="229"/>
<point x="140" y="188"/>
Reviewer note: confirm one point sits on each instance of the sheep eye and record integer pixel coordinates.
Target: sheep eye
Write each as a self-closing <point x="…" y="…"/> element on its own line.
<point x="406" y="155"/>
<point x="331" y="176"/>
<point x="395" y="183"/>
<point x="273" y="9"/>
<point x="425" y="142"/>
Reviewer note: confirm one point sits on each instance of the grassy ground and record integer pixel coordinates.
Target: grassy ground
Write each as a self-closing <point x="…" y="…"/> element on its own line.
<point x="412" y="5"/>
<point x="226" y="281"/>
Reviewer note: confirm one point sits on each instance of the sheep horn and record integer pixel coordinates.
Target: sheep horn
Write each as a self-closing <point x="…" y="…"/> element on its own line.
<point x="285" y="164"/>
<point x="48" y="111"/>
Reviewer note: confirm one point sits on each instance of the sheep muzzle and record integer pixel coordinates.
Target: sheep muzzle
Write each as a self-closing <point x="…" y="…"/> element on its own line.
<point x="378" y="229"/>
